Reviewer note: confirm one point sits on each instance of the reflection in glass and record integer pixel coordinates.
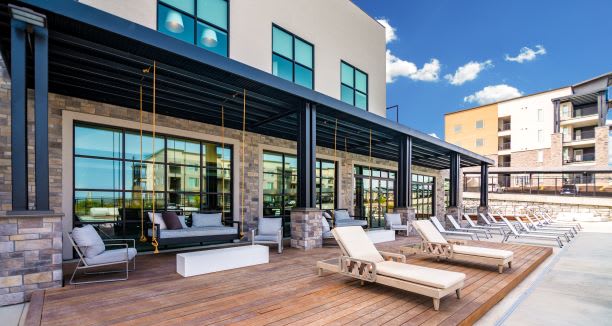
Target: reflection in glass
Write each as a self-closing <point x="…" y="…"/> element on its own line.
<point x="132" y="147"/>
<point x="282" y="67"/>
<point x="91" y="173"/>
<point x="97" y="141"/>
<point x="213" y="11"/>
<point x="97" y="206"/>
<point x="175" y="24"/>
<point x="212" y="39"/>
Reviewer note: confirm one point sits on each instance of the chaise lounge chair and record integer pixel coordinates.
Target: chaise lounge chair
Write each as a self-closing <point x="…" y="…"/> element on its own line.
<point x="485" y="227"/>
<point x="549" y="220"/>
<point x="538" y="226"/>
<point x="529" y="230"/>
<point x="518" y="235"/>
<point x="458" y="227"/>
<point x="361" y="260"/>
<point x="434" y="244"/>
<point x="541" y="222"/>
<point x="441" y="229"/>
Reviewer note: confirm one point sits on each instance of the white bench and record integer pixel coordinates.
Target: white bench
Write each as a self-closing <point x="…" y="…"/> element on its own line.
<point x="210" y="261"/>
<point x="378" y="236"/>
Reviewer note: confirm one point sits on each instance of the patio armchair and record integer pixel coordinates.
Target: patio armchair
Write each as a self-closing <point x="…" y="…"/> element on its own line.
<point x="342" y="218"/>
<point x="361" y="260"/>
<point x="269" y="231"/>
<point x="92" y="253"/>
<point x="393" y="221"/>
<point x="434" y="244"/>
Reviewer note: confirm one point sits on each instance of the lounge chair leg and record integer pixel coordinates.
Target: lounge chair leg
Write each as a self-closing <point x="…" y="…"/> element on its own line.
<point x="436" y="303"/>
<point x="501" y="268"/>
<point x="509" y="264"/>
<point x="458" y="292"/>
<point x="320" y="271"/>
<point x="362" y="282"/>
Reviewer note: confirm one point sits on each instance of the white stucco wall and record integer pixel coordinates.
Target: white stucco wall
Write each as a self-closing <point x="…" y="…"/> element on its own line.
<point x="524" y="118"/>
<point x="338" y="29"/>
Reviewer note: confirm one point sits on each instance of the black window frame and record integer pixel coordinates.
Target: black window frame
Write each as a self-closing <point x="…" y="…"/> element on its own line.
<point x="417" y="202"/>
<point x="354" y="88"/>
<point x="196" y="19"/>
<point x="292" y="60"/>
<point x="358" y="202"/>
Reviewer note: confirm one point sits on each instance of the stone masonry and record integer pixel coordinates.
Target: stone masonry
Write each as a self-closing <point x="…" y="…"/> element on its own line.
<point x="601" y="146"/>
<point x="306" y="228"/>
<point x="30" y="255"/>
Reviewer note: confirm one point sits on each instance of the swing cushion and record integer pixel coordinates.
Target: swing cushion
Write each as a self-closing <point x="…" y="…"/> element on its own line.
<point x="88" y="241"/>
<point x="158" y="220"/>
<point x="172" y="221"/>
<point x="199" y="220"/>
<point x="342" y="215"/>
<point x="326" y="227"/>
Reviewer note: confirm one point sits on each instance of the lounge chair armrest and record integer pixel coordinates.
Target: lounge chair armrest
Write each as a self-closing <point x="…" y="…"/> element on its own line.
<point x="358" y="268"/>
<point x="457" y="242"/>
<point x="393" y="256"/>
<point x="125" y="245"/>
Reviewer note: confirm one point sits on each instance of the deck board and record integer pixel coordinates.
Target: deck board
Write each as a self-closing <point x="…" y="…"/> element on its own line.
<point x="286" y="291"/>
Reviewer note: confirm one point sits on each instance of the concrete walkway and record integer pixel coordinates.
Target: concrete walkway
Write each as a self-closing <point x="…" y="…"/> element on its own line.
<point x="13" y="315"/>
<point x="573" y="287"/>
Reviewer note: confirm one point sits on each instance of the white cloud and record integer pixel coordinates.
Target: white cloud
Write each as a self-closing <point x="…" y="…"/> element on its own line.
<point x="389" y="30"/>
<point x="492" y="94"/>
<point x="527" y="54"/>
<point x="397" y="67"/>
<point x="468" y="72"/>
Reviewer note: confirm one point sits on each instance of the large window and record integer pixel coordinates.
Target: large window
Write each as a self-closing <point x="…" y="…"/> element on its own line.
<point x="423" y="195"/>
<point x="354" y="86"/>
<point x="111" y="184"/>
<point x="292" y="58"/>
<point x="200" y="22"/>
<point x="280" y="185"/>
<point x="374" y="194"/>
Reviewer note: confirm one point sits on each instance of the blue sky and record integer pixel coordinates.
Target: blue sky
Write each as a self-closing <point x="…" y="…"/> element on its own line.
<point x="567" y="41"/>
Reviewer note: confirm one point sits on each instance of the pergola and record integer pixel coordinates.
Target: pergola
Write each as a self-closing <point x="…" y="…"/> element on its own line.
<point x="83" y="52"/>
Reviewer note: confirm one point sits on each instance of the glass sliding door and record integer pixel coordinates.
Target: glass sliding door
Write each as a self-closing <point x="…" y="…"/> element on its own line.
<point x="423" y="195"/>
<point x="374" y="194"/>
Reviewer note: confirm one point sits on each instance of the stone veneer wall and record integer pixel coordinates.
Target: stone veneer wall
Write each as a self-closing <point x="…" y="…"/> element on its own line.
<point x="601" y="146"/>
<point x="30" y="255"/>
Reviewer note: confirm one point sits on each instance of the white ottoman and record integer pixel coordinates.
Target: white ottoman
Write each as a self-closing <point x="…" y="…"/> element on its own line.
<point x="210" y="261"/>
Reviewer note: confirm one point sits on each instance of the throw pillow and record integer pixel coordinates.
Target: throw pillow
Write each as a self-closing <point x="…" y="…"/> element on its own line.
<point x="326" y="227"/>
<point x="171" y="220"/>
<point x="183" y="221"/>
<point x="341" y="215"/>
<point x="269" y="225"/>
<point x="158" y="220"/>
<point x="202" y="220"/>
<point x="88" y="240"/>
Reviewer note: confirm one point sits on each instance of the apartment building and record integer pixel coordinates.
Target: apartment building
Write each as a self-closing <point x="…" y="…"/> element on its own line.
<point x="552" y="129"/>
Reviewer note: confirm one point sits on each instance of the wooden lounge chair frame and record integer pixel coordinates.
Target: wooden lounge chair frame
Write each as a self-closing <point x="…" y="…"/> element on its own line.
<point x="445" y="250"/>
<point x="365" y="271"/>
<point x="517" y="235"/>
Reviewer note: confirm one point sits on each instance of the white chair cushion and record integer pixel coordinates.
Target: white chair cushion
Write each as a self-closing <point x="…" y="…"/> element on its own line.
<point x="112" y="256"/>
<point x="393" y="219"/>
<point x="357" y="244"/>
<point x="326" y="227"/>
<point x="88" y="241"/>
<point x="269" y="225"/>
<point x="482" y="252"/>
<point x="427" y="230"/>
<point x="342" y="215"/>
<point x="437" y="278"/>
<point x="199" y="220"/>
<point x="263" y="237"/>
<point x="182" y="220"/>
<point x="158" y="220"/>
<point x="327" y="216"/>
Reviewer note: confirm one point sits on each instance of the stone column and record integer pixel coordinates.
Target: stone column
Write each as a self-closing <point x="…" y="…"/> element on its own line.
<point x="483" y="210"/>
<point x="306" y="228"/>
<point x="455" y="212"/>
<point x="601" y="146"/>
<point x="556" y="151"/>
<point x="408" y="214"/>
<point x="30" y="255"/>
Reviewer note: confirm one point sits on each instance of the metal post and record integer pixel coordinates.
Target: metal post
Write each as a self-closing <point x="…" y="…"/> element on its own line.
<point x="19" y="148"/>
<point x="484" y="187"/>
<point x="404" y="172"/>
<point x="453" y="192"/>
<point x="306" y="155"/>
<point x="41" y="112"/>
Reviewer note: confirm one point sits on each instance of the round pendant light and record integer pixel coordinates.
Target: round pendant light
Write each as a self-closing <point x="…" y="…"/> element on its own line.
<point x="209" y="38"/>
<point x="174" y="22"/>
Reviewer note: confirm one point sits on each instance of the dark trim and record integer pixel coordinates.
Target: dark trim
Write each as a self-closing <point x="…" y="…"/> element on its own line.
<point x="41" y="113"/>
<point x="19" y="126"/>
<point x="306" y="157"/>
<point x="484" y="185"/>
<point x="453" y="192"/>
<point x="404" y="173"/>
<point x="293" y="62"/>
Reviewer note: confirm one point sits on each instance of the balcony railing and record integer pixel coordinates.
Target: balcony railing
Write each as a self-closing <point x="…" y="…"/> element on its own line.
<point x="504" y="126"/>
<point x="585" y="135"/>
<point x="503" y="147"/>
<point x="503" y="164"/>
<point x="583" y="158"/>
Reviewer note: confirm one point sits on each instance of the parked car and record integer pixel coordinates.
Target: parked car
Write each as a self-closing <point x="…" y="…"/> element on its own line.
<point x="570" y="190"/>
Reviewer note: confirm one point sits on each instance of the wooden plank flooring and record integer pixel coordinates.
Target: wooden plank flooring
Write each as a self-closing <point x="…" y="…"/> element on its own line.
<point x="286" y="291"/>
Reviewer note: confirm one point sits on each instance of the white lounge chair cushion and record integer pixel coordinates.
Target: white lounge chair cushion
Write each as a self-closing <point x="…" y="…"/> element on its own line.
<point x="326" y="227"/>
<point x="351" y="222"/>
<point x="430" y="233"/>
<point x="112" y="256"/>
<point x="393" y="219"/>
<point x="342" y="215"/>
<point x="265" y="237"/>
<point x="201" y="220"/>
<point x="482" y="252"/>
<point x="269" y="225"/>
<point x="88" y="241"/>
<point x="158" y="220"/>
<point x="437" y="278"/>
<point x="357" y="244"/>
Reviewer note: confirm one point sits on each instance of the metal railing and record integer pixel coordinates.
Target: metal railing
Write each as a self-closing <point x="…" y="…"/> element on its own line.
<point x="504" y="146"/>
<point x="504" y="126"/>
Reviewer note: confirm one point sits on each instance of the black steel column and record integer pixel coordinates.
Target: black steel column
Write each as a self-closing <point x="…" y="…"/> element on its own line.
<point x="19" y="144"/>
<point x="41" y="114"/>
<point x="453" y="192"/>
<point x="484" y="184"/>
<point x="306" y="156"/>
<point x="404" y="172"/>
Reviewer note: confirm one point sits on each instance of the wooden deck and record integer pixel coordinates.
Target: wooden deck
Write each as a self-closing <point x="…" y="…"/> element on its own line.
<point x="286" y="291"/>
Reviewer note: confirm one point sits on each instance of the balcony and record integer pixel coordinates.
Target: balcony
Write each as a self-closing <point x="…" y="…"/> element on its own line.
<point x="584" y="158"/>
<point x="504" y="126"/>
<point x="504" y="146"/>
<point x="580" y="120"/>
<point x="504" y="164"/>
